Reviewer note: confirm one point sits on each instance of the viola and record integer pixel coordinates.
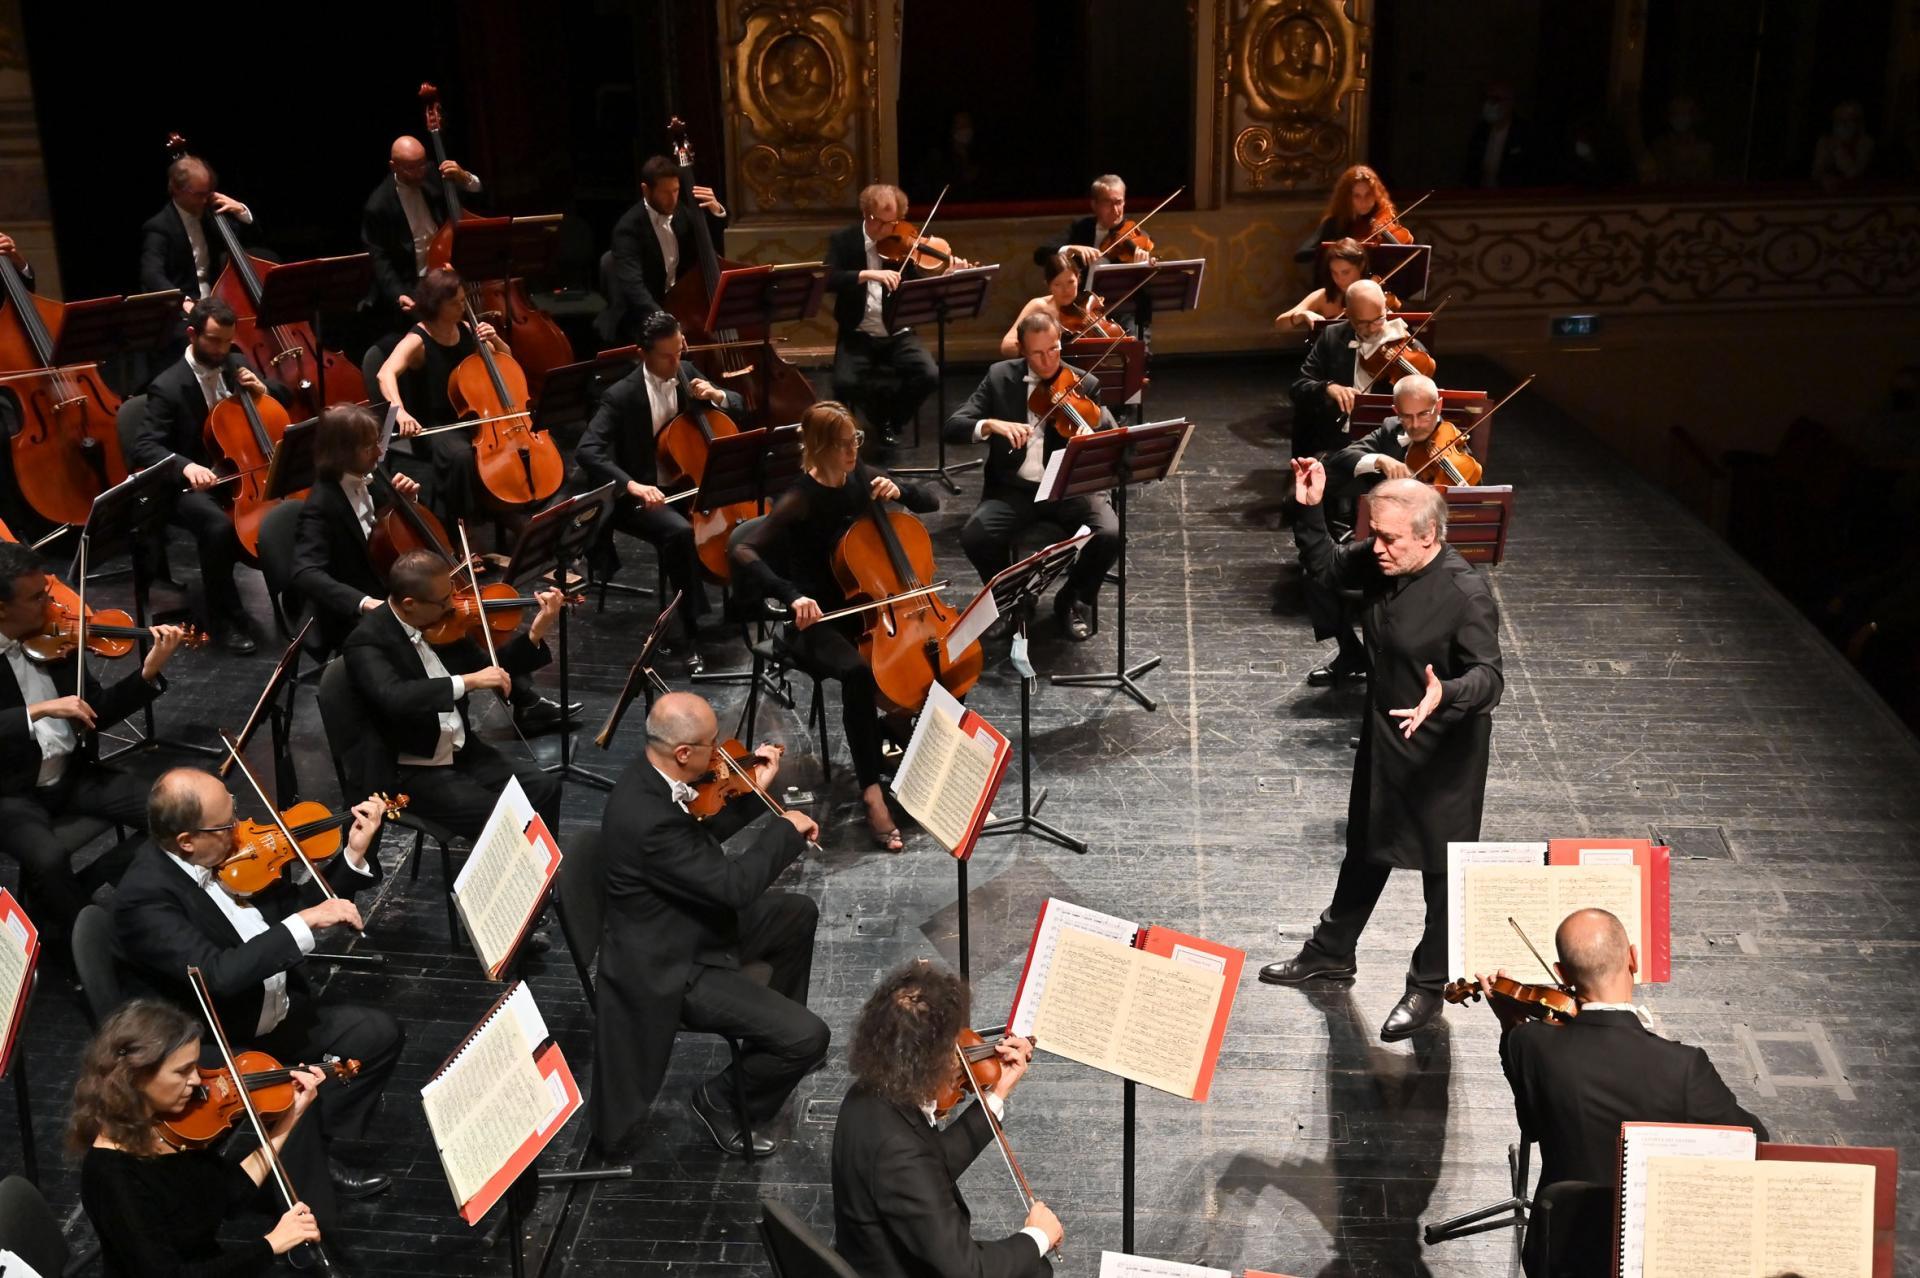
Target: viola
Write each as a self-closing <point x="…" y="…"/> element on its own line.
<point x="1088" y="318"/>
<point x="261" y="853"/>
<point x="110" y="632"/>
<point x="1395" y="358"/>
<point x="903" y="244"/>
<point x="67" y="450"/>
<point x="503" y="607"/>
<point x="1127" y="242"/>
<point x="1550" y="1003"/>
<point x="533" y="335"/>
<point x="1059" y="399"/>
<point x="980" y="1060"/>
<point x="775" y="391"/>
<point x="887" y="552"/>
<point x="725" y="783"/>
<point x="285" y="352"/>
<point x="519" y="464"/>
<point x="215" y="1107"/>
<point x="1446" y="453"/>
<point x="246" y="431"/>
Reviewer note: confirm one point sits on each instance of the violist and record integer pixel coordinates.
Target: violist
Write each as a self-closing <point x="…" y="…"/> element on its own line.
<point x="1063" y="286"/>
<point x="882" y="370"/>
<point x="1342" y="264"/>
<point x="1360" y="207"/>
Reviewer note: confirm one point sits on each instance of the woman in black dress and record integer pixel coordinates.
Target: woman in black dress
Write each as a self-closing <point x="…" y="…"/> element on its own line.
<point x="157" y="1210"/>
<point x="799" y="535"/>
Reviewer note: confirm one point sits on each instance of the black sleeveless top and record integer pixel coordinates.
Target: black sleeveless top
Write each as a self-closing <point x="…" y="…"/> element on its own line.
<point x="428" y="402"/>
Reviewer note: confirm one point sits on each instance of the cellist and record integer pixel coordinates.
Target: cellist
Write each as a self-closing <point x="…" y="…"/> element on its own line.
<point x="788" y="556"/>
<point x="653" y="242"/>
<point x="620" y="447"/>
<point x="415" y="377"/>
<point x="399" y="221"/>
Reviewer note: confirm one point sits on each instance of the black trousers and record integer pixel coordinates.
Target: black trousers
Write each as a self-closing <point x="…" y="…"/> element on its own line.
<point x="1354" y="896"/>
<point x="826" y="651"/>
<point x="211" y="526"/>
<point x="668" y="532"/>
<point x="305" y="1158"/>
<point x="989" y="534"/>
<point x="1332" y="618"/>
<point x="86" y="789"/>
<point x="780" y="1039"/>
<point x="313" y="1030"/>
<point x="454" y="492"/>
<point x="462" y="794"/>
<point x="886" y="377"/>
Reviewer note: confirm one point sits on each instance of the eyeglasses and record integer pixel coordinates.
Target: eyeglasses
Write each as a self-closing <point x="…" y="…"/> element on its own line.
<point x="854" y="440"/>
<point x="215" y="829"/>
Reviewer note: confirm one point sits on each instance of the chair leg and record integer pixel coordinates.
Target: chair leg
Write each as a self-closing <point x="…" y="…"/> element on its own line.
<point x="413" y="862"/>
<point x="817" y="714"/>
<point x="740" y="1114"/>
<point x="446" y="882"/>
<point x="751" y="711"/>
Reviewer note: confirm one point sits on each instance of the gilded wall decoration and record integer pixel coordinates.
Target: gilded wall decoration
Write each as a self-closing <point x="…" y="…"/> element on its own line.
<point x="800" y="96"/>
<point x="1295" y="76"/>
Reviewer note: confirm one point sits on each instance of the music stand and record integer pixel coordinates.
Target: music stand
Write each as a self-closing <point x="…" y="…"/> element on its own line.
<point x="637" y="683"/>
<point x="279" y="717"/>
<point x="753" y="465"/>
<point x="550" y="542"/>
<point x="1128" y="359"/>
<point x="296" y="291"/>
<point x="1163" y="287"/>
<point x="133" y="510"/>
<point x="1013" y="589"/>
<point x="102" y="327"/>
<point x="1387" y="259"/>
<point x="955" y="295"/>
<point x="291" y="471"/>
<point x="572" y="391"/>
<point x="758" y="297"/>
<point x="1116" y="460"/>
<point x="503" y="248"/>
<point x="22" y="1090"/>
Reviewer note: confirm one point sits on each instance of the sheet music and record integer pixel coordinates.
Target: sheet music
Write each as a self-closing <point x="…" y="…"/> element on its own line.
<point x="1818" y="1218"/>
<point x="11" y="1266"/>
<point x="1135" y="1014"/>
<point x="1538" y="898"/>
<point x="1459" y="857"/>
<point x="1683" y="1195"/>
<point x="502" y="880"/>
<point x="1087" y="983"/>
<point x="982" y="612"/>
<point x="944" y="771"/>
<point x="1059" y="916"/>
<point x="1118" y="1264"/>
<point x="1644" y="1141"/>
<point x="487" y="1101"/>
<point x="1812" y="1219"/>
<point x="15" y="938"/>
<point x="1050" y="476"/>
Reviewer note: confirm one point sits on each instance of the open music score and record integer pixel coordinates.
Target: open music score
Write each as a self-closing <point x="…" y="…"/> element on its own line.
<point x="1537" y="885"/>
<point x="502" y="887"/>
<point x="19" y="952"/>
<point x="952" y="768"/>
<point x="1118" y="1264"/>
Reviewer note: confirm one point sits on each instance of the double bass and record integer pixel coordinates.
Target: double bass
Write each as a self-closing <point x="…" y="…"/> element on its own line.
<point x="536" y="340"/>
<point x="776" y="392"/>
<point x="291" y="353"/>
<point x="67" y="451"/>
<point x="886" y="553"/>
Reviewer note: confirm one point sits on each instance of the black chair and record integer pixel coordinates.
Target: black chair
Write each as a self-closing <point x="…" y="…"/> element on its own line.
<point x="351" y="740"/>
<point x="793" y="1249"/>
<point x="277" y="532"/>
<point x="127" y="421"/>
<point x="1575" y="1224"/>
<point x="581" y="896"/>
<point x="94" y="963"/>
<point x="29" y="1229"/>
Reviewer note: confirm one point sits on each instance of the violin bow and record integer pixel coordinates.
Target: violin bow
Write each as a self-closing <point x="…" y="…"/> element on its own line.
<point x="902" y="597"/>
<point x="282" y="1181"/>
<point x="80" y="626"/>
<point x="999" y="1134"/>
<point x="1137" y="224"/>
<point x="1105" y="355"/>
<point x="1536" y="953"/>
<point x="925" y="222"/>
<point x="745" y="775"/>
<point x="279" y="822"/>
<point x="473" y="580"/>
<point x="1373" y="237"/>
<point x="1460" y="436"/>
<point x="1405" y="342"/>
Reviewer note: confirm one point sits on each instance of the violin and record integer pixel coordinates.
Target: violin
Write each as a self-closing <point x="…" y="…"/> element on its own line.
<point x="1447" y="452"/>
<point x="260" y="853"/>
<point x="1370" y="227"/>
<point x="285" y="352"/>
<point x="503" y="607"/>
<point x="519" y="464"/>
<point x="725" y="783"/>
<point x="1059" y="398"/>
<point x="887" y="553"/>
<point x="775" y="391"/>
<point x="1127" y="242"/>
<point x="533" y="335"/>
<point x="67" y="450"/>
<point x="246" y="431"/>
<point x="215" y="1107"/>
<point x="682" y="449"/>
<point x="110" y="632"/>
<point x="1553" y="1004"/>
<point x="977" y="1056"/>
<point x="1089" y="319"/>
<point x="902" y="244"/>
<point x="1395" y="358"/>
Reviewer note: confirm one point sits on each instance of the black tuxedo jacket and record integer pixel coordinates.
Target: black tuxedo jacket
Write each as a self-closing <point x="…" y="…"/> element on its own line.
<point x="176" y="416"/>
<point x="846" y="258"/>
<point x="166" y="254"/>
<point x="331" y="567"/>
<point x="639" y="269"/>
<point x="389" y="239"/>
<point x="619" y="445"/>
<point x="164" y="923"/>
<point x="20" y="752"/>
<point x="897" y="1209"/>
<point x="1002" y="394"/>
<point x="1330" y="361"/>
<point x="673" y="901"/>
<point x="402" y="701"/>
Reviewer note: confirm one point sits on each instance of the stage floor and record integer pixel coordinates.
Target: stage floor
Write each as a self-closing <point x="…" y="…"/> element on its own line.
<point x="1655" y="686"/>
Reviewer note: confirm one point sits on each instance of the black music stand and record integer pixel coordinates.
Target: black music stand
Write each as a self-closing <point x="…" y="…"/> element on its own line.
<point x="1116" y="460"/>
<point x="1126" y="356"/>
<point x="755" y="466"/>
<point x="1013" y="589"/>
<point x="279" y="719"/>
<point x="291" y="472"/>
<point x="503" y="248"/>
<point x="22" y="1090"/>
<point x="102" y="327"/>
<point x="955" y="295"/>
<point x="572" y="391"/>
<point x="1164" y="287"/>
<point x="550" y="543"/>
<point x="637" y="684"/>
<point x="762" y="296"/>
<point x="132" y="511"/>
<point x="296" y="291"/>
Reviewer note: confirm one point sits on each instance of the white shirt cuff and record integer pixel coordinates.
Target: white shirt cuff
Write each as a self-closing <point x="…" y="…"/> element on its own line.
<point x="302" y="934"/>
<point x="473" y="182"/>
<point x="1368" y="464"/>
<point x="245" y="215"/>
<point x="998" y="1106"/>
<point x="368" y="599"/>
<point x="1039" y="1238"/>
<point x="459" y="687"/>
<point x="980" y="431"/>
<point x="360" y="870"/>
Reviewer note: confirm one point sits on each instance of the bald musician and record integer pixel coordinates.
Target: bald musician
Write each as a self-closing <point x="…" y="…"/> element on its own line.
<point x="400" y="219"/>
<point x="1332" y="375"/>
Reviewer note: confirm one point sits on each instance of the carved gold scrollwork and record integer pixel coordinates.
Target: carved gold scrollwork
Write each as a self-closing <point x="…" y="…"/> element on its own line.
<point x="797" y="65"/>
<point x="1296" y="64"/>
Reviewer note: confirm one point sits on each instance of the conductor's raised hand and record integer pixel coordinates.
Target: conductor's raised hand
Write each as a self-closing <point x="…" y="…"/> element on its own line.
<point x="884" y="489"/>
<point x="808" y="828"/>
<point x="1015" y="1055"/>
<point x="805" y="612"/>
<point x="1309" y="481"/>
<point x="1413" y="716"/>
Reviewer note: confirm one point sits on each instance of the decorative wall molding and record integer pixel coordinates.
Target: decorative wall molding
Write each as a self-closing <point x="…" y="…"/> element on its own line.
<point x="1292" y="109"/>
<point x="801" y="93"/>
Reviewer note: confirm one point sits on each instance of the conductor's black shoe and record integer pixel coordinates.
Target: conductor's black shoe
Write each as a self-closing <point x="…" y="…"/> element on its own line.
<point x="1304" y="967"/>
<point x="1413" y="1013"/>
<point x="349" y="1183"/>
<point x="721" y="1126"/>
<point x="1334" y="672"/>
<point x="1075" y="618"/>
<point x="543" y="715"/>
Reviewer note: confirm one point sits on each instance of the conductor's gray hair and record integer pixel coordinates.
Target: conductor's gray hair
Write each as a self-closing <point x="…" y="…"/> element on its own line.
<point x="1426" y="508"/>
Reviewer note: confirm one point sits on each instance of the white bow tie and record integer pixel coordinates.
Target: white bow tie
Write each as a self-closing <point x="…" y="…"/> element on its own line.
<point x="684" y="793"/>
<point x="8" y="647"/>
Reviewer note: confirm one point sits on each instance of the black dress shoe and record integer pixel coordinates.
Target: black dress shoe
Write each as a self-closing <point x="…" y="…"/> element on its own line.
<point x="696" y="664"/>
<point x="1413" y="1013"/>
<point x="1075" y="618"/>
<point x="1336" y="671"/>
<point x="349" y="1183"/>
<point x="1304" y="967"/>
<point x="721" y="1126"/>
<point x="543" y="715"/>
<point x="237" y="637"/>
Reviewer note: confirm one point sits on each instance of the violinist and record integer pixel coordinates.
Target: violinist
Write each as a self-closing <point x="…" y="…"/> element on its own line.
<point x="48" y="768"/>
<point x="171" y="912"/>
<point x="415" y="377"/>
<point x="897" y="1208"/>
<point x="1063" y="288"/>
<point x="1344" y="263"/>
<point x="652" y="242"/>
<point x="399" y="221"/>
<point x="179" y="246"/>
<point x="683" y="916"/>
<point x="178" y="401"/>
<point x="1574" y="1084"/>
<point x="788" y="557"/>
<point x="332" y="568"/>
<point x="884" y="372"/>
<point x="1085" y="237"/>
<point x="1334" y="371"/>
<point x="999" y="414"/>
<point x="1359" y="207"/>
<point x="419" y="694"/>
<point x="619" y="447"/>
<point x="158" y="1210"/>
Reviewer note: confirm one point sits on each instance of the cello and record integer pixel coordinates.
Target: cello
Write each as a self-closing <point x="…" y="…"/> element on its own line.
<point x="67" y="451"/>
<point x="245" y="431"/>
<point x="519" y="464"/>
<point x="776" y="392"/>
<point x="286" y="352"/>
<point x="683" y="446"/>
<point x="887" y="553"/>
<point x="536" y="340"/>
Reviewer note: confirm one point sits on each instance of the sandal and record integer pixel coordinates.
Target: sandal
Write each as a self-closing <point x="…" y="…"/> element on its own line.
<point x="888" y="840"/>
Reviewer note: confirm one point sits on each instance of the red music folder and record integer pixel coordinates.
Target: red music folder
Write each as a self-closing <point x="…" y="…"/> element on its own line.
<point x="503" y="886"/>
<point x="951" y="771"/>
<point x="19" y="954"/>
<point x="1885" y="1162"/>
<point x="1656" y="911"/>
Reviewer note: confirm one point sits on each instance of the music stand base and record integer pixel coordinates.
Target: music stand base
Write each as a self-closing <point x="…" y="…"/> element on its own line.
<point x="1122" y="680"/>
<point x="571" y="771"/>
<point x="944" y="472"/>
<point x="1028" y="823"/>
<point x="1509" y="1213"/>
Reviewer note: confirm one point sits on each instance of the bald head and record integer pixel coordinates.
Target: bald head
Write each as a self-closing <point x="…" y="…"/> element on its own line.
<point x="1366" y="300"/>
<point x="408" y="160"/>
<point x="1414" y="392"/>
<point x="1596" y="957"/>
<point x="183" y="801"/>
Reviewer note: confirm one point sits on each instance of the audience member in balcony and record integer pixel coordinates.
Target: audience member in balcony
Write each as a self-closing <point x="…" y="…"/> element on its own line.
<point x="1681" y="156"/>
<point x="1844" y="154"/>
<point x="1591" y="155"/>
<point x="1502" y="150"/>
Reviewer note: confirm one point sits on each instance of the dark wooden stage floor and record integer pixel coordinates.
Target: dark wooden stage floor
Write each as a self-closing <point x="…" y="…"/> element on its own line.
<point x="1654" y="684"/>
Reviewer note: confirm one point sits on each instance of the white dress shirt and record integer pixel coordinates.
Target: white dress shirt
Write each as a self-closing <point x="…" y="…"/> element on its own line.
<point x="55" y="737"/>
<point x="453" y="732"/>
<point x="683" y="794"/>
<point x="663" y="396"/>
<point x="249" y="923"/>
<point x="420" y="218"/>
<point x="212" y="384"/>
<point x="871" y="323"/>
<point x="669" y="242"/>
<point x="999" y="1108"/>
<point x="1390" y="332"/>
<point x="361" y="499"/>
<point x="197" y="241"/>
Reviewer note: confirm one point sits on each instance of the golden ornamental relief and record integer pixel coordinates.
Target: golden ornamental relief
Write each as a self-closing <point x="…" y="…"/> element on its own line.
<point x="1298" y="67"/>
<point x="798" y="68"/>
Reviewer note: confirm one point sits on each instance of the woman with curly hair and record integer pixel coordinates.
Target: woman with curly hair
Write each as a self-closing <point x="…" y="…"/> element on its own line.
<point x="156" y="1209"/>
<point x="897" y="1210"/>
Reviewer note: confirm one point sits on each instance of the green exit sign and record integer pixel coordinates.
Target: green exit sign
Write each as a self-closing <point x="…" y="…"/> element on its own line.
<point x="1566" y="328"/>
